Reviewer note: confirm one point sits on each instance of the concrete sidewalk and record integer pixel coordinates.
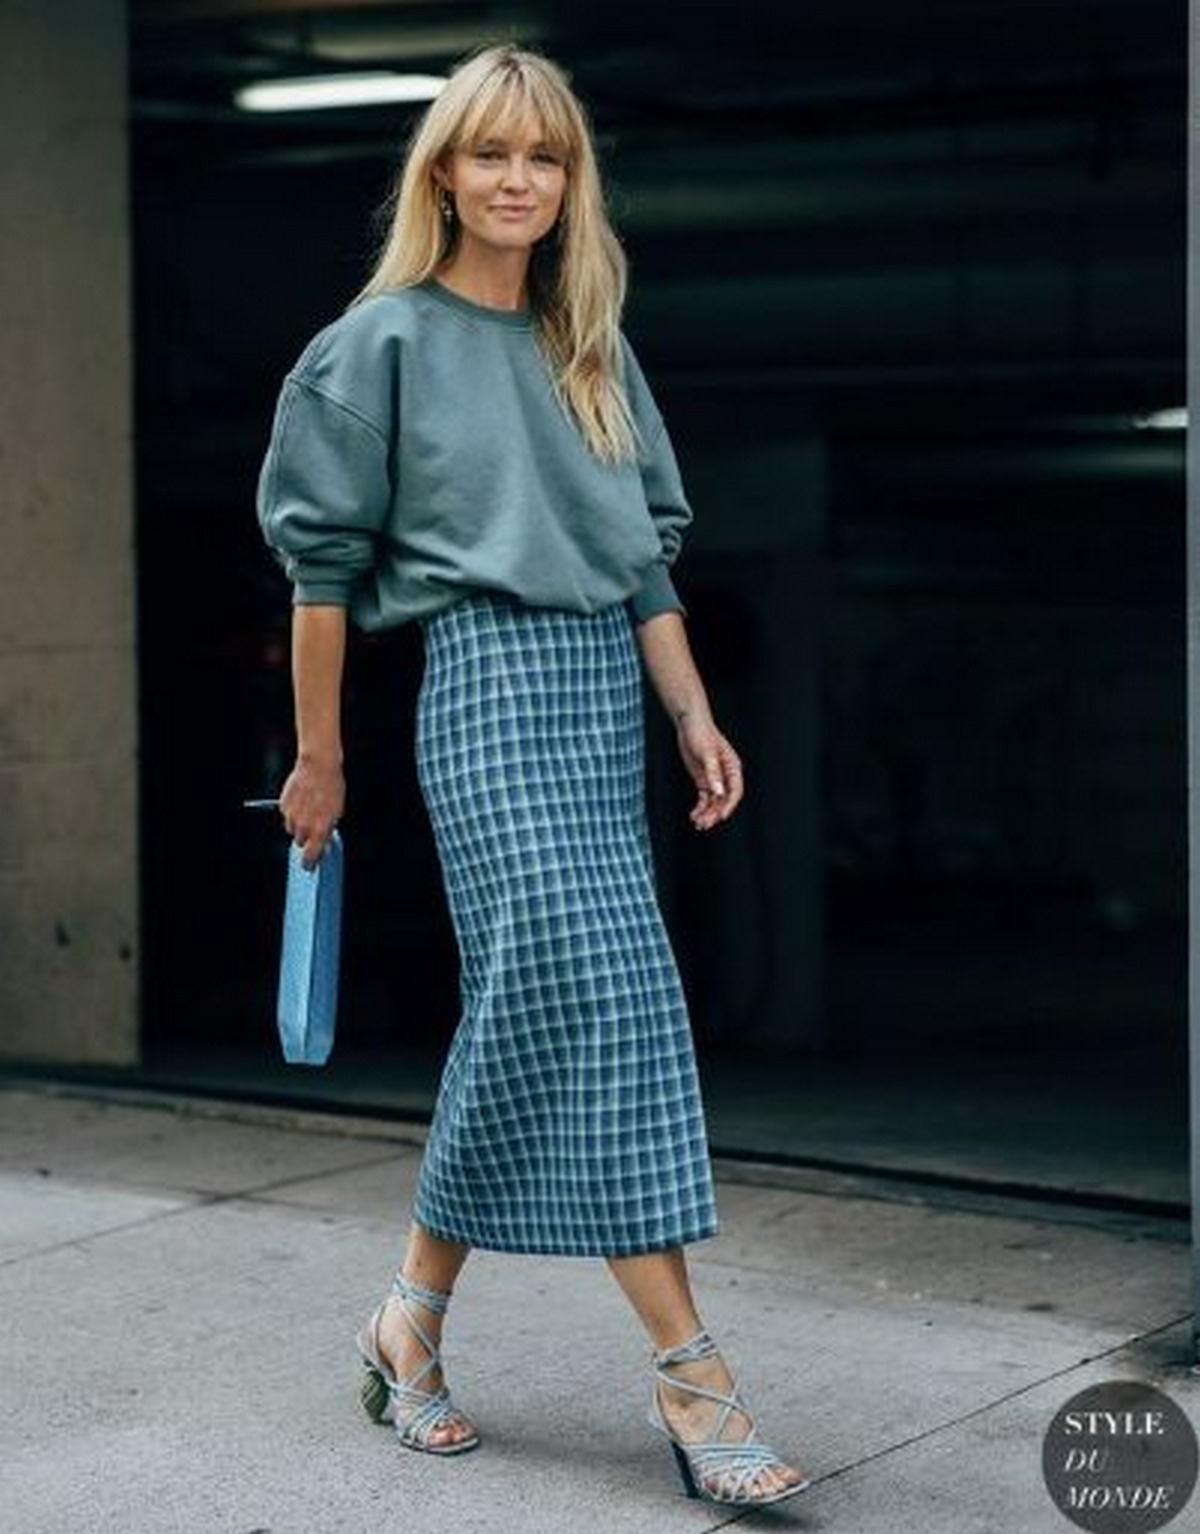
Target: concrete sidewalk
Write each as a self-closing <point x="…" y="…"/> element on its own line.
<point x="180" y="1283"/>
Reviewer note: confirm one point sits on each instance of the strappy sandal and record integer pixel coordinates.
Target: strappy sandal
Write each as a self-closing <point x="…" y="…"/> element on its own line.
<point x="415" y="1413"/>
<point x="732" y="1465"/>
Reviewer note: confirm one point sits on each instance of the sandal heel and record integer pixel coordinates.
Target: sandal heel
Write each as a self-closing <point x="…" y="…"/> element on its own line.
<point x="685" y="1471"/>
<point x="374" y="1395"/>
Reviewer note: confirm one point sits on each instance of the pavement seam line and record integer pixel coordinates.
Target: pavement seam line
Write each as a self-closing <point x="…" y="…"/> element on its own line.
<point x="976" y="1411"/>
<point x="1008" y="1395"/>
<point x="195" y="1202"/>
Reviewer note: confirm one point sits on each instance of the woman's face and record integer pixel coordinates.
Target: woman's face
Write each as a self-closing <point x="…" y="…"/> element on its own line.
<point x="507" y="188"/>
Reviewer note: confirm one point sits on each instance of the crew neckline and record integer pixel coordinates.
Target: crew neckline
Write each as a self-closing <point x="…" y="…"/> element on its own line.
<point x="513" y="319"/>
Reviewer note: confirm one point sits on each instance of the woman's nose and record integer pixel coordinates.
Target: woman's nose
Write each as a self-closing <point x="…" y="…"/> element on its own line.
<point x="516" y="170"/>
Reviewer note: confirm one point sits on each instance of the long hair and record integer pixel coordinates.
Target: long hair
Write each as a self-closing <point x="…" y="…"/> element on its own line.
<point x="577" y="272"/>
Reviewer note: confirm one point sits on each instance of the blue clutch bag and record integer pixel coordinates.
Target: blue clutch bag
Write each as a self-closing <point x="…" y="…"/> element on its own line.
<point x="308" y="966"/>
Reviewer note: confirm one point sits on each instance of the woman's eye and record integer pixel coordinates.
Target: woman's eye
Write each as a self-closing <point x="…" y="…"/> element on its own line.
<point x="544" y="156"/>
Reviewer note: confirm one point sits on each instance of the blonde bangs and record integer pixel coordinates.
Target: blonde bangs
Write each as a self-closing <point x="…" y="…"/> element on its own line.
<point x="506" y="104"/>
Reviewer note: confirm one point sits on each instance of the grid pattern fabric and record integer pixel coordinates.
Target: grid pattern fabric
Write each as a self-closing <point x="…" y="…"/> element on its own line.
<point x="569" y="1117"/>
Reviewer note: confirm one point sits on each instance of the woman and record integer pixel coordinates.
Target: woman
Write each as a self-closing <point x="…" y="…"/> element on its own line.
<point x="473" y="446"/>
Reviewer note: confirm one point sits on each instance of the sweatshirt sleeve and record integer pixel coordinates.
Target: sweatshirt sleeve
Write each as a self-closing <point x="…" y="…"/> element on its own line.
<point x="324" y="491"/>
<point x="665" y="497"/>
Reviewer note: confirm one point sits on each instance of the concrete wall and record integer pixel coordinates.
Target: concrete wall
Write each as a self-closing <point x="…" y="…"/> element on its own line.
<point x="68" y="753"/>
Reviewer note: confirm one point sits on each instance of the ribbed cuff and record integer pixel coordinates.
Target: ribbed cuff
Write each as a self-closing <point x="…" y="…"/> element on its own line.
<point x="656" y="595"/>
<point x="320" y="593"/>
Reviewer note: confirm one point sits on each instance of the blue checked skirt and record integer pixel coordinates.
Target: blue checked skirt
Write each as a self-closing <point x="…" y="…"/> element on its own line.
<point x="568" y="1118"/>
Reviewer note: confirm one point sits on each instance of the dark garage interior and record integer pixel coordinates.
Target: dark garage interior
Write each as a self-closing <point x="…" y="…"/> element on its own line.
<point x="908" y="283"/>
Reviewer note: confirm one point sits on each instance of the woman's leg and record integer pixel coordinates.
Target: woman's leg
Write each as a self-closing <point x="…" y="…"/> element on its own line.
<point x="434" y="1264"/>
<point x="658" y="1287"/>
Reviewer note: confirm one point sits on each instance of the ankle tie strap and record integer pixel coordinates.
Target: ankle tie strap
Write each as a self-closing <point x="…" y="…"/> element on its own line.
<point x="699" y="1346"/>
<point x="436" y="1300"/>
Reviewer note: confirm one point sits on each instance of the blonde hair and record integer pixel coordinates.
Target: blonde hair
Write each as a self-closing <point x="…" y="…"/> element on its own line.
<point x="577" y="273"/>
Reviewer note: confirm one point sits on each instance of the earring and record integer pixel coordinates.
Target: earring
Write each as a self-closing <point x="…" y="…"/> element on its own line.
<point x="446" y="206"/>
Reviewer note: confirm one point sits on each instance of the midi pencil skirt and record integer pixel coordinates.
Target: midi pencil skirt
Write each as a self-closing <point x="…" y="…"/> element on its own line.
<point x="569" y="1117"/>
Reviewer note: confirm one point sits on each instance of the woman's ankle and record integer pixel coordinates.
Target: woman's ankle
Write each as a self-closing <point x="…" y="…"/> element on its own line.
<point x="670" y="1338"/>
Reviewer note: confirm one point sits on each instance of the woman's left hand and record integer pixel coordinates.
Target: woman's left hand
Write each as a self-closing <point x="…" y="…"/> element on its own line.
<point x="714" y="767"/>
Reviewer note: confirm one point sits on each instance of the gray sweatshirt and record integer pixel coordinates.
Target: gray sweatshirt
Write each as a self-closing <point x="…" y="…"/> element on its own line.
<point x="418" y="452"/>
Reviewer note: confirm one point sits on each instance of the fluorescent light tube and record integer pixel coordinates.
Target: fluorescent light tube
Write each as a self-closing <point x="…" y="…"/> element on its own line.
<point x="1174" y="419"/>
<point x="313" y="92"/>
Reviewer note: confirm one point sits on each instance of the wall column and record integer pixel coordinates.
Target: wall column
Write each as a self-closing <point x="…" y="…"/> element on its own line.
<point x="68" y="749"/>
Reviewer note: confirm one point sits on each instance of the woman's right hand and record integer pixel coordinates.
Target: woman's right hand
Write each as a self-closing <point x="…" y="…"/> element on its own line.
<point x="311" y="803"/>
